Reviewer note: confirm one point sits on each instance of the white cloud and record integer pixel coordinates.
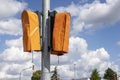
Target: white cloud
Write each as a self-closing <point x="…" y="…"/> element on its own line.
<point x="8" y="24"/>
<point x="73" y="9"/>
<point x="94" y="59"/>
<point x="61" y="60"/>
<point x="14" y="43"/>
<point x="11" y="71"/>
<point x="14" y="54"/>
<point x="85" y="60"/>
<point x="9" y="8"/>
<point x="14" y="63"/>
<point x="13" y="59"/>
<point x="11" y="27"/>
<point x="65" y="69"/>
<point x="101" y="54"/>
<point x="77" y="47"/>
<point x="93" y="16"/>
<point x="118" y="43"/>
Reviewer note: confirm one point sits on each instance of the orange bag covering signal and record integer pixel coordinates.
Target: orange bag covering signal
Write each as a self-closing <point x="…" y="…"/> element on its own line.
<point x="31" y="32"/>
<point x="60" y="37"/>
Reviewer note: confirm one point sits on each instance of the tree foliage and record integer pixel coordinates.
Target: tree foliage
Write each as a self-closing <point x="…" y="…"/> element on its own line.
<point x="95" y="75"/>
<point x="55" y="75"/>
<point x="36" y="75"/>
<point x="109" y="74"/>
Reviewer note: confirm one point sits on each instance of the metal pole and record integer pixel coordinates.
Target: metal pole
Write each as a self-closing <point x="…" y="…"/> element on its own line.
<point x="45" y="51"/>
<point x="22" y="71"/>
<point x="20" y="76"/>
<point x="74" y="72"/>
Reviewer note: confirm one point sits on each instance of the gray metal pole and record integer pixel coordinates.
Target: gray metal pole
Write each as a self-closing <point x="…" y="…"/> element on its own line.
<point x="20" y="76"/>
<point x="74" y="71"/>
<point x="45" y="52"/>
<point x="22" y="71"/>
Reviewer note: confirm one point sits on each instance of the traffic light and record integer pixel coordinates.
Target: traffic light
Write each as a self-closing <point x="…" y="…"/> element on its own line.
<point x="60" y="33"/>
<point x="31" y="31"/>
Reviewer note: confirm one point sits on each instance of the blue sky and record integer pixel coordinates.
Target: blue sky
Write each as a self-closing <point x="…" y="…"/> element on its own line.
<point x="94" y="38"/>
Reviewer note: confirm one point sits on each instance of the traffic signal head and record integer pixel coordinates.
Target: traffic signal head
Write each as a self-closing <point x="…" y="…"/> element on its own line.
<point x="60" y="34"/>
<point x="31" y="31"/>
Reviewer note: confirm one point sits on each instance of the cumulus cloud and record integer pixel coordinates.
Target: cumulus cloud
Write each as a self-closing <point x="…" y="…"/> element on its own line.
<point x="9" y="24"/>
<point x="80" y="58"/>
<point x="93" y="16"/>
<point x="9" y="8"/>
<point x="86" y="60"/>
<point x="15" y="48"/>
<point x="118" y="43"/>
<point x="14" y="54"/>
<point x="83" y="60"/>
<point x="89" y="59"/>
<point x="11" y="27"/>
<point x="77" y="47"/>
<point x="14" y="60"/>
<point x="14" y="42"/>
<point x="11" y="71"/>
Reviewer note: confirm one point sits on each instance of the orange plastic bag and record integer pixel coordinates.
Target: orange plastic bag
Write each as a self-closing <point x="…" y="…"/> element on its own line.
<point x="31" y="32"/>
<point x="60" y="37"/>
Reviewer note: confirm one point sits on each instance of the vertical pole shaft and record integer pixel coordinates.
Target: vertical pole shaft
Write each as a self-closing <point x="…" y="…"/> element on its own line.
<point x="74" y="72"/>
<point x="20" y="76"/>
<point x="45" y="52"/>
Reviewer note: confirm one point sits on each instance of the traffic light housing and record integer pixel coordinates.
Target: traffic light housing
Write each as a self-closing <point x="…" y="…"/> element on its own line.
<point x="31" y="31"/>
<point x="60" y="33"/>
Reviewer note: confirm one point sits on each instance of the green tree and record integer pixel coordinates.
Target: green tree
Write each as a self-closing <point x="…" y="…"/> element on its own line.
<point x="95" y="75"/>
<point x="36" y="75"/>
<point x="109" y="74"/>
<point x="55" y="75"/>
